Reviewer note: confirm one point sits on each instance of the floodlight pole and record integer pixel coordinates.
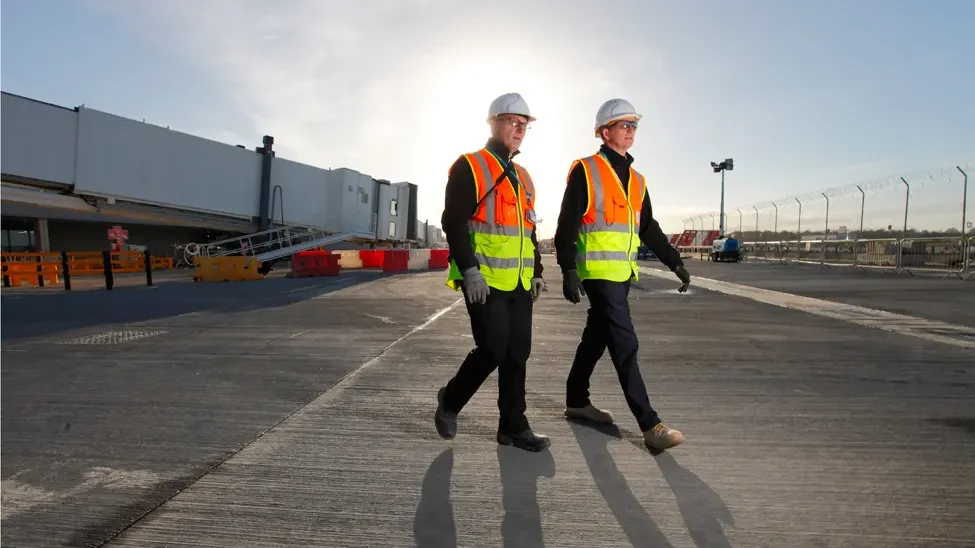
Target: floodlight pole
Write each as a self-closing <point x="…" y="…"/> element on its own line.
<point x="721" y="219"/>
<point x="723" y="166"/>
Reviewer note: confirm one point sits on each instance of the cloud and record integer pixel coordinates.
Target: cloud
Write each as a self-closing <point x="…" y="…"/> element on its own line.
<point x="398" y="88"/>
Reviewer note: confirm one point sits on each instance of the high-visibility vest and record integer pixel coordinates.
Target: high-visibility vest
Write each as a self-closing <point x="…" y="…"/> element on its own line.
<point x="609" y="236"/>
<point x="501" y="226"/>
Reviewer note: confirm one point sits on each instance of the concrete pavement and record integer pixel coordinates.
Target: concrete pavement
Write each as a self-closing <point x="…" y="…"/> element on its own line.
<point x="924" y="295"/>
<point x="307" y="421"/>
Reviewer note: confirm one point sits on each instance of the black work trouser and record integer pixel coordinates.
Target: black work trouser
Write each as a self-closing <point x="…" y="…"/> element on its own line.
<point x="609" y="325"/>
<point x="502" y="329"/>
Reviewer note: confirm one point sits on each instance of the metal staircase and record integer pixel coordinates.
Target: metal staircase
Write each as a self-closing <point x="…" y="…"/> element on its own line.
<point x="267" y="245"/>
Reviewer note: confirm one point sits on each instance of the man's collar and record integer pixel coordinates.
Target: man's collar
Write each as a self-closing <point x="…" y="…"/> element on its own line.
<point x="498" y="148"/>
<point x="614" y="157"/>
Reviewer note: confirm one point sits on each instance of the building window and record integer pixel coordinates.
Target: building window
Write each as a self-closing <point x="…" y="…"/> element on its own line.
<point x="363" y="195"/>
<point x="18" y="241"/>
<point x="392" y="208"/>
<point x="392" y="229"/>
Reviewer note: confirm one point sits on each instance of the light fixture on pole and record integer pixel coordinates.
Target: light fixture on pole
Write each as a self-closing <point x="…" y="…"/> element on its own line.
<point x="727" y="165"/>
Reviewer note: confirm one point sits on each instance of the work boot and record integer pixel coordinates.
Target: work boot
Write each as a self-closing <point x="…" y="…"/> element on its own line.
<point x="661" y="437"/>
<point x="446" y="421"/>
<point x="589" y="413"/>
<point x="527" y="440"/>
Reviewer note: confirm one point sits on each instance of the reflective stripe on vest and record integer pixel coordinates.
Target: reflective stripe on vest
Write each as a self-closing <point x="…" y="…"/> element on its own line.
<point x="499" y="229"/>
<point x="609" y="238"/>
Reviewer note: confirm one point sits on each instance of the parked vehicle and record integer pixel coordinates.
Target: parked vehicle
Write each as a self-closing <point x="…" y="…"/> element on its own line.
<point x="725" y="249"/>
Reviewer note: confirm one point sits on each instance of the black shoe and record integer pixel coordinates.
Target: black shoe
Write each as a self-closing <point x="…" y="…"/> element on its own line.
<point x="446" y="422"/>
<point x="527" y="440"/>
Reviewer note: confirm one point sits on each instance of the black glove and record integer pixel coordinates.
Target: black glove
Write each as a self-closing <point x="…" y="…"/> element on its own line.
<point x="572" y="288"/>
<point x="685" y="278"/>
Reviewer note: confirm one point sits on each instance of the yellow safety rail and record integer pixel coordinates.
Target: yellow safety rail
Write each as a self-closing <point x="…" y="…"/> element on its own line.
<point x="226" y="269"/>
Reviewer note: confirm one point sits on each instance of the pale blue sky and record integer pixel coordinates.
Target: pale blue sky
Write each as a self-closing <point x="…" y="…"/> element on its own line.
<point x="804" y="95"/>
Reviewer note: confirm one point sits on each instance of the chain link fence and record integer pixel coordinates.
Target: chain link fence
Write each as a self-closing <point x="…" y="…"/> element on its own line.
<point x="917" y="221"/>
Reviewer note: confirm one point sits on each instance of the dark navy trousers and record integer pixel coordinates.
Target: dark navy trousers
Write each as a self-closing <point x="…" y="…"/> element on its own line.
<point x="609" y="326"/>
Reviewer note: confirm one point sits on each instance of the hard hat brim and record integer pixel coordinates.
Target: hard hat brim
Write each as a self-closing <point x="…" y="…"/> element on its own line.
<point x="529" y="116"/>
<point x="631" y="117"/>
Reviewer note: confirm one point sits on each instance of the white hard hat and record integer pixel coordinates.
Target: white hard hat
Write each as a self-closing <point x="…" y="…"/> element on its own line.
<point x="613" y="110"/>
<point x="510" y="103"/>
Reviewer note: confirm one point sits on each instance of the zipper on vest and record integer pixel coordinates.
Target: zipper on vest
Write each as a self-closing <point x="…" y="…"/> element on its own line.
<point x="631" y="220"/>
<point x="521" y="237"/>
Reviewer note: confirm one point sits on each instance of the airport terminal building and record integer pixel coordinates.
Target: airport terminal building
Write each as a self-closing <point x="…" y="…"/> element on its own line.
<point x="70" y="175"/>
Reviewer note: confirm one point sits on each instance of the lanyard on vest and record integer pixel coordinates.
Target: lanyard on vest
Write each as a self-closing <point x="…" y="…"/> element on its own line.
<point x="507" y="169"/>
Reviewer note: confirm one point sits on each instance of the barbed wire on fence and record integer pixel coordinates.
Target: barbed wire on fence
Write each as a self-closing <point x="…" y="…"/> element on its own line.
<point x="916" y="179"/>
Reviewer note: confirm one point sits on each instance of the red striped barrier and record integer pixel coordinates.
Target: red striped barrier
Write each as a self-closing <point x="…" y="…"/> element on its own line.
<point x="396" y="260"/>
<point x="438" y="259"/>
<point x="311" y="264"/>
<point x="372" y="258"/>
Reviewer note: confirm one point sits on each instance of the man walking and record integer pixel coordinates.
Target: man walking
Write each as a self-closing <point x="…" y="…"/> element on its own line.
<point x="606" y="212"/>
<point x="489" y="221"/>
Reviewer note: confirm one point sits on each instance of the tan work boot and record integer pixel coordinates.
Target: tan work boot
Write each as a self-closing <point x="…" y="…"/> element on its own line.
<point x="589" y="413"/>
<point x="661" y="437"/>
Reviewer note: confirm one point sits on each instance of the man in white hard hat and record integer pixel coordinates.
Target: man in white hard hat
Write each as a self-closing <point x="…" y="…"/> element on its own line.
<point x="606" y="212"/>
<point x="489" y="222"/>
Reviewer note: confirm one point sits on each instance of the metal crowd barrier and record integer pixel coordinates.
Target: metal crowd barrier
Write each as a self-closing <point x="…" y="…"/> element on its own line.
<point x="952" y="256"/>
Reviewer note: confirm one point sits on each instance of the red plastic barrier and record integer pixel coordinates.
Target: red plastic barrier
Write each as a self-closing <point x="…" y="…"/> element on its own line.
<point x="396" y="260"/>
<point x="710" y="237"/>
<point x="372" y="258"/>
<point x="674" y="238"/>
<point x="311" y="264"/>
<point x="438" y="259"/>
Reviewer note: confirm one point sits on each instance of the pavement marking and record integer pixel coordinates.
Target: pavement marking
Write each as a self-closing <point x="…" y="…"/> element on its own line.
<point x="323" y="399"/>
<point x="930" y="330"/>
<point x="343" y="283"/>
<point x="333" y="283"/>
<point x="340" y="386"/>
<point x="300" y="289"/>
<point x="384" y="319"/>
<point x="18" y="496"/>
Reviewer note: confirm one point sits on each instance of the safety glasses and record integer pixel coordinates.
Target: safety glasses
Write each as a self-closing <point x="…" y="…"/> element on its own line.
<point x="515" y="123"/>
<point x="625" y="124"/>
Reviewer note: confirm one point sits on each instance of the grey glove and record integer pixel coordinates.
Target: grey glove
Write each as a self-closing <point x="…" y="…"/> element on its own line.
<point x="684" y="276"/>
<point x="538" y="285"/>
<point x="475" y="286"/>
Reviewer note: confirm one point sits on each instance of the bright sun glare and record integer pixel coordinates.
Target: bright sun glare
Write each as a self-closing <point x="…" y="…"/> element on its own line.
<point x="462" y="88"/>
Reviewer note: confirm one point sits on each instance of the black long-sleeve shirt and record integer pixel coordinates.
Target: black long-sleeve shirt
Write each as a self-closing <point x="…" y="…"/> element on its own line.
<point x="575" y="202"/>
<point x="460" y="200"/>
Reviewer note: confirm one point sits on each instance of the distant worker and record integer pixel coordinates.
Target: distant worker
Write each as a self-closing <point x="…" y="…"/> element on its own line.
<point x="489" y="222"/>
<point x="606" y="212"/>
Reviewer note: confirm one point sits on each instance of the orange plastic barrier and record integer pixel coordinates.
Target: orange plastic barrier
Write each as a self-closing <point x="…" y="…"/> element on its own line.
<point x="83" y="263"/>
<point x="51" y="268"/>
<point x="438" y="259"/>
<point x="162" y="263"/>
<point x="36" y="269"/>
<point x="311" y="264"/>
<point x="372" y="258"/>
<point x="396" y="260"/>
